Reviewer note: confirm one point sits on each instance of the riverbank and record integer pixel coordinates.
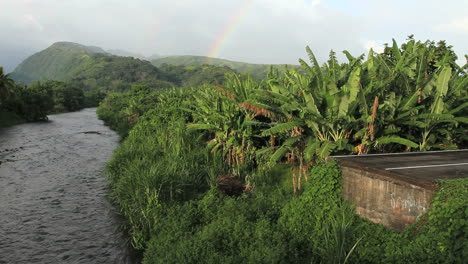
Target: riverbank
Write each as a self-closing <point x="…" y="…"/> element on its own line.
<point x="167" y="184"/>
<point x="10" y="119"/>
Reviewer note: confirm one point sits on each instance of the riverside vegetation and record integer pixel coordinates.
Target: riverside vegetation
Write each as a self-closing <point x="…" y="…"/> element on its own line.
<point x="26" y="103"/>
<point x="235" y="174"/>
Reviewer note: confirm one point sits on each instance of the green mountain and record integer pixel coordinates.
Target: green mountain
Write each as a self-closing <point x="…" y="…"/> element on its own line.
<point x="258" y="71"/>
<point x="89" y="67"/>
<point x="55" y="62"/>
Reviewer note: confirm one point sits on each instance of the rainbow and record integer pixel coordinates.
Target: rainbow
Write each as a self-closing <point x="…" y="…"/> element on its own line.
<point x="229" y="28"/>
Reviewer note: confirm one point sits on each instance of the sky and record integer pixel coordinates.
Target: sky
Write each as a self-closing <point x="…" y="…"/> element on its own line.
<point x="256" y="31"/>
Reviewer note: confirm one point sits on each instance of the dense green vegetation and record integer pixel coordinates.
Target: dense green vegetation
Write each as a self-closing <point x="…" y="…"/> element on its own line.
<point x="207" y="174"/>
<point x="121" y="111"/>
<point x="91" y="69"/>
<point x="258" y="71"/>
<point x="115" y="73"/>
<point x="20" y="103"/>
<point x="193" y="76"/>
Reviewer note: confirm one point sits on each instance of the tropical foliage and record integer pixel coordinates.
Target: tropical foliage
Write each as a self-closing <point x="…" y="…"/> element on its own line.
<point x="389" y="102"/>
<point x="259" y="142"/>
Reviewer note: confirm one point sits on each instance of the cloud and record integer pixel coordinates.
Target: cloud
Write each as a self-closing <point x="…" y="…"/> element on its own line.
<point x="30" y="21"/>
<point x="272" y="31"/>
<point x="457" y="25"/>
<point x="372" y="44"/>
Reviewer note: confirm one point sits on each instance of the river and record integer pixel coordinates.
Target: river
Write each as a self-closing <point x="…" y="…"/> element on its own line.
<point x="53" y="193"/>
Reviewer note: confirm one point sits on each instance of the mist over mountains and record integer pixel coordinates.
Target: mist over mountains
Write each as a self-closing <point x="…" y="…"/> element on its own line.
<point x="10" y="57"/>
<point x="125" y="53"/>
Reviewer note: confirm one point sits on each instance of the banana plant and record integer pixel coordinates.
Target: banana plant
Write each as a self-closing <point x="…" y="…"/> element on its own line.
<point x="228" y="117"/>
<point x="314" y="112"/>
<point x="397" y="101"/>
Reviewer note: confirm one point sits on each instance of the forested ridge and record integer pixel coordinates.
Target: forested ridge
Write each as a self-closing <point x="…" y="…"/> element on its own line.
<point x="257" y="71"/>
<point x="235" y="173"/>
<point x="89" y="67"/>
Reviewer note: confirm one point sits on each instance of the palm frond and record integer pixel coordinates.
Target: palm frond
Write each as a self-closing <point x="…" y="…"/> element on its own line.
<point x="396" y="140"/>
<point x="283" y="127"/>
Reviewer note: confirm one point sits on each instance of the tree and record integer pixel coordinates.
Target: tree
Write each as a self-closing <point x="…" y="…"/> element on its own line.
<point x="37" y="101"/>
<point x="7" y="86"/>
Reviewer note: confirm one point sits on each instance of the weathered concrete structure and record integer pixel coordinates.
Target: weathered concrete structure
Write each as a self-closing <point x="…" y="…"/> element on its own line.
<point x="395" y="189"/>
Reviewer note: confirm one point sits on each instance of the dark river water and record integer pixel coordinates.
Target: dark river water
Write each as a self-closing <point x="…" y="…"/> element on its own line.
<point x="53" y="193"/>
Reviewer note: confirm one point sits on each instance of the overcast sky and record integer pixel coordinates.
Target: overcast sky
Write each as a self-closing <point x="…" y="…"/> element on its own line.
<point x="257" y="31"/>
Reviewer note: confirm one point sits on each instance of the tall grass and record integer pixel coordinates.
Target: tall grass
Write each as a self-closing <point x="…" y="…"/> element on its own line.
<point x="337" y="245"/>
<point x="159" y="162"/>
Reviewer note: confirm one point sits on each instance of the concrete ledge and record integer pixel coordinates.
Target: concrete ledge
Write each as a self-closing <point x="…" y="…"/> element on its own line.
<point x="396" y="189"/>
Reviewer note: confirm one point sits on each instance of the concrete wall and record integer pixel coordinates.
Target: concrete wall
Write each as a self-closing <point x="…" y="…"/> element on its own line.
<point x="383" y="199"/>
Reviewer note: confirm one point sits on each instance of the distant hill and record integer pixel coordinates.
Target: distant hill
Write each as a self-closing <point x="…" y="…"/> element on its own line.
<point x="55" y="62"/>
<point x="258" y="71"/>
<point x="153" y="57"/>
<point x="89" y="67"/>
<point x="124" y="53"/>
<point x="195" y="75"/>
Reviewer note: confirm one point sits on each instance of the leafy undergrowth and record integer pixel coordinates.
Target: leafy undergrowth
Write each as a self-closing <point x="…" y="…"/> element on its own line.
<point x="315" y="226"/>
